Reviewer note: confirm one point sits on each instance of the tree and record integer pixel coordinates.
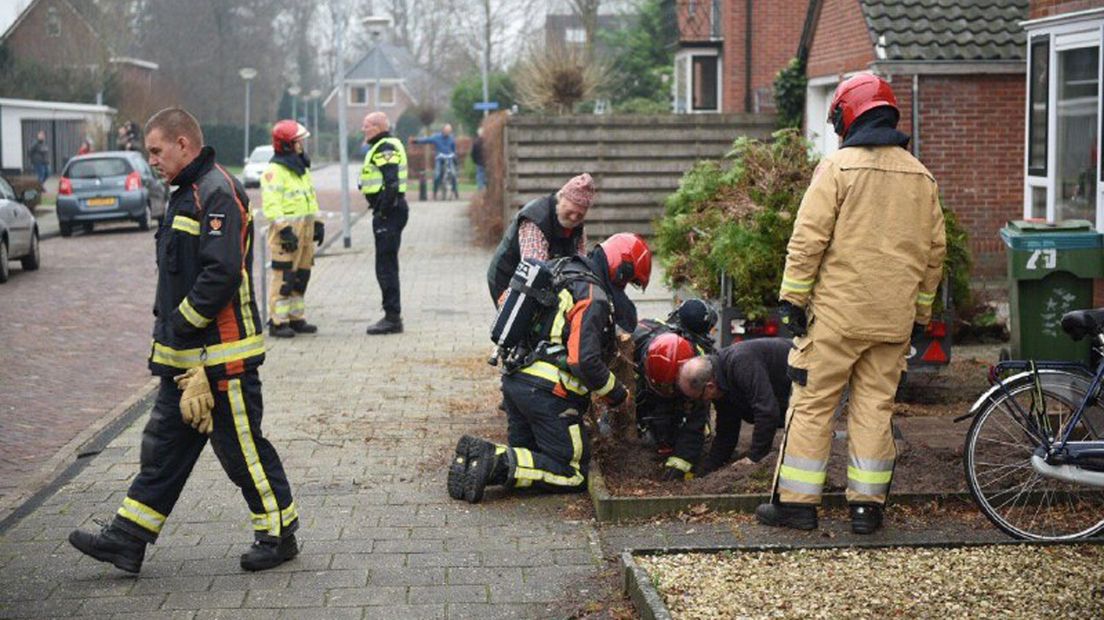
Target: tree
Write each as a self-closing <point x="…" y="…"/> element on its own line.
<point x="587" y="10"/>
<point x="643" y="54"/>
<point x="469" y="90"/>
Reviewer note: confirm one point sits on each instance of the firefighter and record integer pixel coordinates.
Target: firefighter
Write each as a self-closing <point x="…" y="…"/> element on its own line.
<point x="289" y="202"/>
<point x="673" y="423"/>
<point x="862" y="267"/>
<point x="208" y="342"/>
<point x="383" y="183"/>
<point x="548" y="394"/>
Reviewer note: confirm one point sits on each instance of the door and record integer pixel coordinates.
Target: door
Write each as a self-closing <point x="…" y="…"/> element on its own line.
<point x="18" y="221"/>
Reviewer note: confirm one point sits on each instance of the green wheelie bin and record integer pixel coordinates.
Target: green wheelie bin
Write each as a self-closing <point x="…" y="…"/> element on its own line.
<point x="1051" y="267"/>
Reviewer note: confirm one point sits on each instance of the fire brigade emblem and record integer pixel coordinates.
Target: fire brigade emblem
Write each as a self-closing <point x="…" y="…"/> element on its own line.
<point x="214" y="222"/>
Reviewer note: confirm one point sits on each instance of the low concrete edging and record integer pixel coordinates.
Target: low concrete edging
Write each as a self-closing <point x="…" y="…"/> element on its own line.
<point x="613" y="508"/>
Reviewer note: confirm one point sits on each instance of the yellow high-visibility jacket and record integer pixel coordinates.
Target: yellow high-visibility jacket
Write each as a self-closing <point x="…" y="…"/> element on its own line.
<point x="285" y="194"/>
<point x="868" y="244"/>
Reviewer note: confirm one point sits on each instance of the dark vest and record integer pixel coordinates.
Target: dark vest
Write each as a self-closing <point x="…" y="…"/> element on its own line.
<point x="541" y="212"/>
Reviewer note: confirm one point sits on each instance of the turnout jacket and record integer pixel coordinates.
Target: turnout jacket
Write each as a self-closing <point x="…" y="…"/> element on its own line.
<point x="205" y="313"/>
<point x="755" y="387"/>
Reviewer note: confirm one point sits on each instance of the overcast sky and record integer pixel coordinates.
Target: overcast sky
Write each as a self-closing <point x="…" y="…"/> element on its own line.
<point x="9" y="10"/>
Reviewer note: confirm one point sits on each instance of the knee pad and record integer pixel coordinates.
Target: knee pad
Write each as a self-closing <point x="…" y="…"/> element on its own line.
<point x="302" y="277"/>
<point x="288" y="284"/>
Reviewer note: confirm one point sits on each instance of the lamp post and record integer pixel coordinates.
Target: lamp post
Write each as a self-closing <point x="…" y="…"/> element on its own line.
<point x="247" y="74"/>
<point x="342" y="128"/>
<point x="294" y="91"/>
<point x="375" y="25"/>
<point x="315" y="94"/>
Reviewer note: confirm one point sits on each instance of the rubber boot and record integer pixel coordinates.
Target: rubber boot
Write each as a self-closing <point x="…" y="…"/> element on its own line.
<point x="485" y="468"/>
<point x="301" y="326"/>
<point x="112" y="545"/>
<point x="264" y="555"/>
<point x="387" y="325"/>
<point x="458" y="468"/>
<point x="280" y="331"/>
<point x="866" y="518"/>
<point x="794" y="516"/>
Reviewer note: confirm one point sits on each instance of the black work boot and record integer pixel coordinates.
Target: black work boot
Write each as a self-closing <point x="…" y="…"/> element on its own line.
<point x="282" y="330"/>
<point x="389" y="324"/>
<point x="264" y="555"/>
<point x="866" y="518"/>
<point x="795" y="516"/>
<point x="458" y="468"/>
<point x="484" y="468"/>
<point x="112" y="545"/>
<point x="301" y="326"/>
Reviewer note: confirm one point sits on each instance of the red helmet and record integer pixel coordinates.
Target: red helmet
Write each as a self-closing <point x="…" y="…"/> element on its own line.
<point x="665" y="354"/>
<point x="629" y="259"/>
<point x="857" y="95"/>
<point x="285" y="133"/>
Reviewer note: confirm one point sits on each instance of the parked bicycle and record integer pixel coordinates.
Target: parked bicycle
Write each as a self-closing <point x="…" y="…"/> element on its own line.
<point x="1034" y="455"/>
<point x="448" y="178"/>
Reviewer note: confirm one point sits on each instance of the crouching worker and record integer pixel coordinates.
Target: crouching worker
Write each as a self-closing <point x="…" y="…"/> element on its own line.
<point x="549" y="378"/>
<point x="747" y="382"/>
<point x="665" y="418"/>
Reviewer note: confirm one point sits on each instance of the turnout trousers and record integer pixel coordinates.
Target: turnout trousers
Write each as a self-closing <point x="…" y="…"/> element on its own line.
<point x="548" y="445"/>
<point x="387" y="231"/>
<point x="170" y="449"/>
<point x="291" y="272"/>
<point x="821" y="364"/>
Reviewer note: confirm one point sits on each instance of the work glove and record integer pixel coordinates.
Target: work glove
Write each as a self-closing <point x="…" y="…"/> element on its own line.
<point x="617" y="396"/>
<point x="794" y="319"/>
<point x="196" y="400"/>
<point x="319" y="232"/>
<point x="917" y="331"/>
<point x="671" y="474"/>
<point x="288" y="241"/>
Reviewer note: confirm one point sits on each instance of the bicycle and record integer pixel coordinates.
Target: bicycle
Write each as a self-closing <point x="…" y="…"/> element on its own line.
<point x="1034" y="454"/>
<point x="448" y="176"/>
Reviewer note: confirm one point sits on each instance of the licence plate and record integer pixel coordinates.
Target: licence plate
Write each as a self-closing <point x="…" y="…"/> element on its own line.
<point x="101" y="202"/>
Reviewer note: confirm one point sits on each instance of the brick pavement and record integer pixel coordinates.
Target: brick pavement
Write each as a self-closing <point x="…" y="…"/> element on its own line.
<point x="364" y="426"/>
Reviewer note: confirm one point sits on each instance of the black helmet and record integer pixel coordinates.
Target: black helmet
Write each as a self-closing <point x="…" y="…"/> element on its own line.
<point x="696" y="316"/>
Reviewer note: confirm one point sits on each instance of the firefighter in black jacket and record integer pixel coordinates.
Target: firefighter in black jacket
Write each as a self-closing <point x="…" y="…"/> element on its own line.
<point x="207" y="344"/>
<point x="747" y="382"/>
<point x="674" y="423"/>
<point x="548" y="395"/>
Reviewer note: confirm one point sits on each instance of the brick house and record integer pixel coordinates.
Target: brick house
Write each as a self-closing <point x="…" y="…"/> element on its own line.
<point x="730" y="50"/>
<point x="958" y="73"/>
<point x="402" y="84"/>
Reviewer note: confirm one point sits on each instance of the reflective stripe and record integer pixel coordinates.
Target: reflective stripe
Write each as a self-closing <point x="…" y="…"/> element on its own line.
<point x="925" y="299"/>
<point x="246" y="299"/>
<point x="192" y="316"/>
<point x="297" y="303"/>
<point x="371" y="178"/>
<point x="289" y="515"/>
<point x="524" y="472"/>
<point x="680" y="464"/>
<point x="796" y="286"/>
<point x="566" y="303"/>
<point x="252" y="459"/>
<point x="802" y="488"/>
<point x="208" y="356"/>
<point x="186" y="224"/>
<point x="866" y="488"/>
<point x="141" y="514"/>
<point x="552" y="374"/>
<point x="869" y="476"/>
<point x="802" y="475"/>
<point x="611" y="382"/>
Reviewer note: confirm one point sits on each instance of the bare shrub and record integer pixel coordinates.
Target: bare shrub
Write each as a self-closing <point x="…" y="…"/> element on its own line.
<point x="554" y="79"/>
<point x="485" y="211"/>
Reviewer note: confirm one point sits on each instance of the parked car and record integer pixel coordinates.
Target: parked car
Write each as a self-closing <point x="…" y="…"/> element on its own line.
<point x="256" y="164"/>
<point x="23" y="182"/>
<point x="18" y="230"/>
<point x="109" y="186"/>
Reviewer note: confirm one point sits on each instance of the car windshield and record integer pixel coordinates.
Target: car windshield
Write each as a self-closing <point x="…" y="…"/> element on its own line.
<point x="98" y="168"/>
<point x="261" y="155"/>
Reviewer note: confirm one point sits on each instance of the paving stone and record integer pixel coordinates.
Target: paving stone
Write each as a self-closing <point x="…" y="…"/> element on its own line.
<point x="228" y="599"/>
<point x="113" y="604"/>
<point x="448" y="594"/>
<point x="266" y="580"/>
<point x="289" y="597"/>
<point x="407" y="612"/>
<point x="501" y="576"/>
<point x="171" y="584"/>
<point x="447" y="558"/>
<point x="359" y="597"/>
<point x="406" y="576"/>
<point x="329" y="579"/>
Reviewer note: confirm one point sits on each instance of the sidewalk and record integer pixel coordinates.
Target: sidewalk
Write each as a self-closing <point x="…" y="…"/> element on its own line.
<point x="365" y="427"/>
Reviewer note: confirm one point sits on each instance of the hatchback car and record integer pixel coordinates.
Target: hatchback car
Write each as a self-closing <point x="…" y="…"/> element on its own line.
<point x="18" y="230"/>
<point x="256" y="164"/>
<point x="109" y="186"/>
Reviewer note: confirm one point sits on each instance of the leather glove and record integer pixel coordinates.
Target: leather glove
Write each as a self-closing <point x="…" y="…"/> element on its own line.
<point x="288" y="241"/>
<point x="319" y="232"/>
<point x="917" y="331"/>
<point x="196" y="400"/>
<point x="670" y="474"/>
<point x="794" y="319"/>
<point x="617" y="396"/>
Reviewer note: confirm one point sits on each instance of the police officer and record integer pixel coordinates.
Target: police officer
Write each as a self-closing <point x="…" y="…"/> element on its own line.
<point x="862" y="267"/>
<point x="383" y="183"/>
<point x="547" y="397"/>
<point x="289" y="202"/>
<point x="207" y="345"/>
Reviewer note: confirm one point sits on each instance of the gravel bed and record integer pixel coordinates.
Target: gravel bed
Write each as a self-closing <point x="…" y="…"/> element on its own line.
<point x="1002" y="581"/>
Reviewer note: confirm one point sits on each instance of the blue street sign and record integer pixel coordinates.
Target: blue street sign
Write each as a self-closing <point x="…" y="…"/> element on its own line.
<point x="486" y="105"/>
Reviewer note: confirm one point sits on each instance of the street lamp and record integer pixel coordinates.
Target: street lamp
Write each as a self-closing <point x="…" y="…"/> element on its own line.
<point x="247" y="74"/>
<point x="375" y="25"/>
<point x="294" y="91"/>
<point x="315" y="94"/>
<point x="342" y="126"/>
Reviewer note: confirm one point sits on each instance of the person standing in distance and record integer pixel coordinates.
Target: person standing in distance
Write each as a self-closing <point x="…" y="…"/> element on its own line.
<point x="383" y="183"/>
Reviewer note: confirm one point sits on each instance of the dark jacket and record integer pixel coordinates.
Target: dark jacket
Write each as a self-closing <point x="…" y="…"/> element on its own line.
<point x="205" y="309"/>
<point x="477" y="152"/>
<point x="39" y="153"/>
<point x="752" y="378"/>
<point x="542" y="212"/>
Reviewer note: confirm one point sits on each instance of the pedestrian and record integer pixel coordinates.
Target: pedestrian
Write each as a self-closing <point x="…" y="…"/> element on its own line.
<point x="85" y="146"/>
<point x="547" y="395"/>
<point x="383" y="183"/>
<point x="478" y="158"/>
<point x="746" y="382"/>
<point x="39" y="154"/>
<point x="862" y="267"/>
<point x="290" y="204"/>
<point x="545" y="228"/>
<point x="445" y="146"/>
<point x="207" y="346"/>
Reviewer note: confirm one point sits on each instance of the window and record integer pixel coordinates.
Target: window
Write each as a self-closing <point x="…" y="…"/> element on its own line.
<point x="682" y="79"/>
<point x="1077" y="103"/>
<point x="387" y="95"/>
<point x="6" y="191"/>
<point x="53" y="22"/>
<point x="1039" y="93"/>
<point x="575" y="36"/>
<point x="705" y="83"/>
<point x="358" y="95"/>
<point x="98" y="168"/>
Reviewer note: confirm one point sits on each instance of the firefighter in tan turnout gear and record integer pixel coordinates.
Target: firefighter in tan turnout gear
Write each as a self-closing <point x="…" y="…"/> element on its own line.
<point x="289" y="203"/>
<point x="862" y="267"/>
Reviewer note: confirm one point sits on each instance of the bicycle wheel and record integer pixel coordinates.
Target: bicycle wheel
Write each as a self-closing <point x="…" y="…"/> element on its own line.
<point x="999" y="446"/>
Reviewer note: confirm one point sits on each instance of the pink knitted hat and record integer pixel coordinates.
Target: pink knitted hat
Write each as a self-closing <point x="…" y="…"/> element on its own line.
<point x="580" y="190"/>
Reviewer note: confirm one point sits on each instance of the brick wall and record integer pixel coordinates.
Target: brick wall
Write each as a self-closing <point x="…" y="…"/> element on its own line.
<point x="841" y="41"/>
<point x="776" y="34"/>
<point x="1046" y="8"/>
<point x="75" y="45"/>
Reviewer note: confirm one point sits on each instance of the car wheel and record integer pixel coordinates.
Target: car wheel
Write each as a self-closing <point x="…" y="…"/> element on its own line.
<point x="31" y="260"/>
<point x="146" y="218"/>
<point x="65" y="229"/>
<point x="3" y="260"/>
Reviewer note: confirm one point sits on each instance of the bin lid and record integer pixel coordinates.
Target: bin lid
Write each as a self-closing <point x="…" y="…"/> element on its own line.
<point x="1062" y="235"/>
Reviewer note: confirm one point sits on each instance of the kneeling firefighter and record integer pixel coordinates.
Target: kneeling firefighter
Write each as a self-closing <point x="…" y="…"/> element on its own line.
<point x="289" y="203"/>
<point x="549" y="378"/>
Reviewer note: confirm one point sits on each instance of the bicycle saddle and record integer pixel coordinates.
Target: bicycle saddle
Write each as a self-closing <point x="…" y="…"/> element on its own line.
<point x="1081" y="323"/>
